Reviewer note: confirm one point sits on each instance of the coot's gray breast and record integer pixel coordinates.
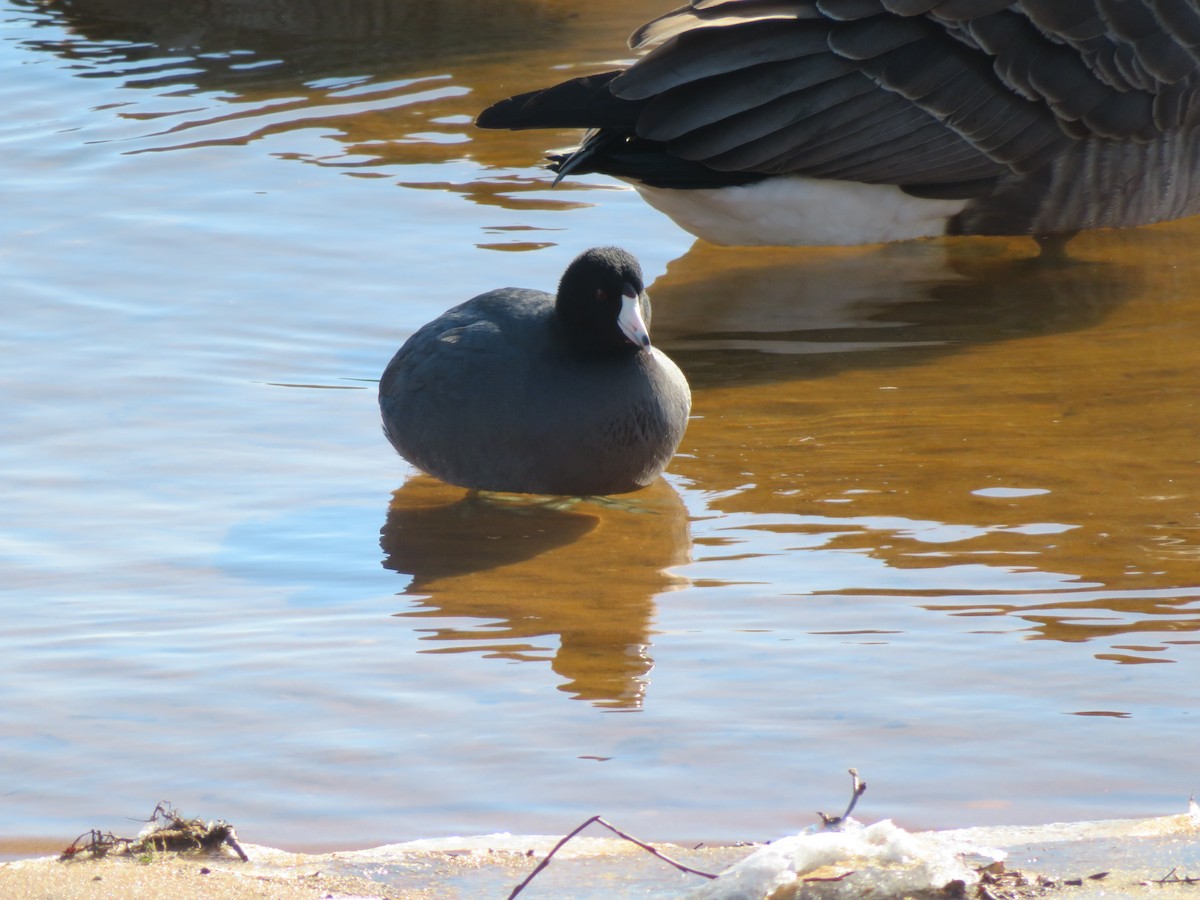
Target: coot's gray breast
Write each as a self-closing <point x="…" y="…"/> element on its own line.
<point x="518" y="390"/>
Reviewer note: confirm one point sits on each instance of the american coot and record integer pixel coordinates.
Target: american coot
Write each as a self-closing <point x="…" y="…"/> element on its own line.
<point x="855" y="121"/>
<point x="516" y="390"/>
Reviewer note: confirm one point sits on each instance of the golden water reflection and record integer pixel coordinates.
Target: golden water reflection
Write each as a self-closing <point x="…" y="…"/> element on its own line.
<point x="970" y="417"/>
<point x="905" y="461"/>
<point x="1043" y="413"/>
<point x="536" y="579"/>
<point x="750" y="315"/>
<point x="394" y="82"/>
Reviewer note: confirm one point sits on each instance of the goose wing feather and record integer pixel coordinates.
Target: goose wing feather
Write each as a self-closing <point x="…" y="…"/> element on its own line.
<point x="973" y="88"/>
<point x="1091" y="67"/>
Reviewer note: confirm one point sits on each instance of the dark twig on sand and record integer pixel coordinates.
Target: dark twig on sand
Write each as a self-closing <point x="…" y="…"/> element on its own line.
<point x="857" y="789"/>
<point x="619" y="833"/>
<point x="1172" y="878"/>
<point x="98" y="844"/>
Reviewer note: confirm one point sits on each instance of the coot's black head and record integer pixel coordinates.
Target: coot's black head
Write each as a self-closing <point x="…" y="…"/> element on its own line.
<point x="602" y="303"/>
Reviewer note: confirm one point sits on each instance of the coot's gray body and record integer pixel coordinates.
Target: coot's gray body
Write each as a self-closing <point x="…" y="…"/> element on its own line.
<point x="851" y="121"/>
<point x="519" y="391"/>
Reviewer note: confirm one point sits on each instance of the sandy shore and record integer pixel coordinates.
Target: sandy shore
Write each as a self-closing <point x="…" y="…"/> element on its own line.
<point x="398" y="872"/>
<point x="1120" y="858"/>
<point x="181" y="877"/>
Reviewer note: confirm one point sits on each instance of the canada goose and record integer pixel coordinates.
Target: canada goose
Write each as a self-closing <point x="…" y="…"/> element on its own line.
<point x="856" y="121"/>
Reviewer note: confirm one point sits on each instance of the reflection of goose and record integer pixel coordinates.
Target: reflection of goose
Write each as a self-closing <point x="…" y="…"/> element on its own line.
<point x="843" y="121"/>
<point x="234" y="41"/>
<point x="520" y="391"/>
<point x="771" y="314"/>
<point x="517" y="572"/>
<point x="255" y="69"/>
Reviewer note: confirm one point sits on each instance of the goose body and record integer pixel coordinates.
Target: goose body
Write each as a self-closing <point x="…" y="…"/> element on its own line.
<point x="518" y="390"/>
<point x="855" y="121"/>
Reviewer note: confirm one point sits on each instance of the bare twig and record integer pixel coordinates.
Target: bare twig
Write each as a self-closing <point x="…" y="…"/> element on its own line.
<point x="98" y="844"/>
<point x="857" y="789"/>
<point x="619" y="833"/>
<point x="1172" y="878"/>
<point x="841" y="877"/>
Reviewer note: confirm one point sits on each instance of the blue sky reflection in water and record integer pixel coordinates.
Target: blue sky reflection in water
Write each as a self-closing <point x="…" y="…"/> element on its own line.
<point x="935" y="517"/>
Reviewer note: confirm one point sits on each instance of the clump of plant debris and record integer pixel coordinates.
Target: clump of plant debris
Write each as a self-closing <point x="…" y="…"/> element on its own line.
<point x="167" y="831"/>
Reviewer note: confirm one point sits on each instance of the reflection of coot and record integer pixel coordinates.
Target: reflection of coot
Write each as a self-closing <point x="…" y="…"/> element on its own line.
<point x="519" y="576"/>
<point x="473" y="534"/>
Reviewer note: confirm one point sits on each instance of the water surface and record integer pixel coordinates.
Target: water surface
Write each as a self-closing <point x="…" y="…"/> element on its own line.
<point x="935" y="516"/>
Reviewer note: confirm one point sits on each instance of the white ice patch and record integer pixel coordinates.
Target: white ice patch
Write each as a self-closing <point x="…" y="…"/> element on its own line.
<point x="879" y="860"/>
<point x="796" y="211"/>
